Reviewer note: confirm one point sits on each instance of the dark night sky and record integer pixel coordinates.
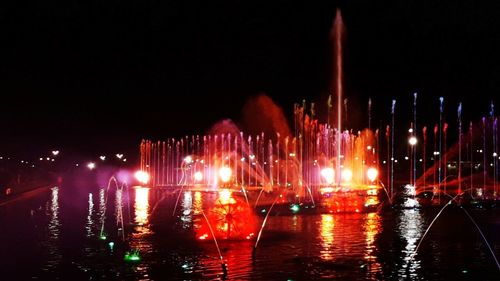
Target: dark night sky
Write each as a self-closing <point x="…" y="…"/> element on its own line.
<point x="100" y="75"/>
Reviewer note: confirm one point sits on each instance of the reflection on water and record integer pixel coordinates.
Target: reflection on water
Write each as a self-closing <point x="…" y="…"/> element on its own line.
<point x="89" y="227"/>
<point x="54" y="214"/>
<point x="326" y="236"/>
<point x="187" y="205"/>
<point x="51" y="245"/>
<point x="411" y="229"/>
<point x="140" y="238"/>
<point x="372" y="226"/>
<point x="198" y="203"/>
<point x="354" y="246"/>
<point x="346" y="241"/>
<point x="141" y="206"/>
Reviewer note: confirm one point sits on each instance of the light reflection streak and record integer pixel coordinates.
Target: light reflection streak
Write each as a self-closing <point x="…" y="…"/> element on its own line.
<point x="372" y="227"/>
<point x="141" y="206"/>
<point x="410" y="229"/>
<point x="140" y="238"/>
<point x="90" y="221"/>
<point x="187" y="206"/>
<point x="198" y="203"/>
<point x="54" y="223"/>
<point x="327" y="225"/>
<point x="52" y="243"/>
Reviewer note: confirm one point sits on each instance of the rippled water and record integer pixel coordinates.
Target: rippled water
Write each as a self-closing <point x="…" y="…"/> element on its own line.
<point x="54" y="235"/>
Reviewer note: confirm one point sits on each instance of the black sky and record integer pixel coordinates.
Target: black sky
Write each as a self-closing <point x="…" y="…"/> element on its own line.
<point x="100" y="75"/>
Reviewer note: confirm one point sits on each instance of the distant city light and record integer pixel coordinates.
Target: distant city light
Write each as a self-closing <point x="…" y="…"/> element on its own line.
<point x="119" y="155"/>
<point x="55" y="152"/>
<point x="91" y="165"/>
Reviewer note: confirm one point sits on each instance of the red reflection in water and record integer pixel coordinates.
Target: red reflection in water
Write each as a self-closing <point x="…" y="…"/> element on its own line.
<point x="230" y="218"/>
<point x="349" y="202"/>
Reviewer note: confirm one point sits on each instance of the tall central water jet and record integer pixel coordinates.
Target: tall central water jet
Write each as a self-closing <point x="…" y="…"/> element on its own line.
<point x="338" y="28"/>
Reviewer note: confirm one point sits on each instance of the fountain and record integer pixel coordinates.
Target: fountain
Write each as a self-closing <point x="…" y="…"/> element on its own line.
<point x="119" y="209"/>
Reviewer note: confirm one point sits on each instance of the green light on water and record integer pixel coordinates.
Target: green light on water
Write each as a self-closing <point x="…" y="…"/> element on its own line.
<point x="465" y="271"/>
<point x="111" y="245"/>
<point x="132" y="256"/>
<point x="295" y="208"/>
<point x="103" y="237"/>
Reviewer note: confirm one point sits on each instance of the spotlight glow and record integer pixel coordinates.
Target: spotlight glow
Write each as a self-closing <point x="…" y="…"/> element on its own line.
<point x="372" y="174"/>
<point x="198" y="176"/>
<point x="142" y="177"/>
<point x="225" y="174"/>
<point x="412" y="140"/>
<point x="328" y="174"/>
<point x="188" y="159"/>
<point x="346" y="175"/>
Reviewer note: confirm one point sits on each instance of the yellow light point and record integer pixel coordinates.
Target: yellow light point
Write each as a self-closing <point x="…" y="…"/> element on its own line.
<point x="225" y="174"/>
<point x="198" y="176"/>
<point x="142" y="177"/>
<point x="225" y="197"/>
<point x="346" y="175"/>
<point x="328" y="174"/>
<point x="372" y="174"/>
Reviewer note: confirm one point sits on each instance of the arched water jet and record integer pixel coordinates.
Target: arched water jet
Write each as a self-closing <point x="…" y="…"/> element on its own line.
<point x="468" y="215"/>
<point x="222" y="263"/>
<point x="263" y="225"/>
<point x="103" y="215"/>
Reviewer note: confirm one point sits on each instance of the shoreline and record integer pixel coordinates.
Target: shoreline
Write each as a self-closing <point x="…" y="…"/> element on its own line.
<point x="26" y="193"/>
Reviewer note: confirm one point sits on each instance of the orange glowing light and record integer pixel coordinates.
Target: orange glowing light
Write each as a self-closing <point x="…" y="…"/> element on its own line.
<point x="346" y="175"/>
<point x="225" y="197"/>
<point x="372" y="174"/>
<point x="225" y="174"/>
